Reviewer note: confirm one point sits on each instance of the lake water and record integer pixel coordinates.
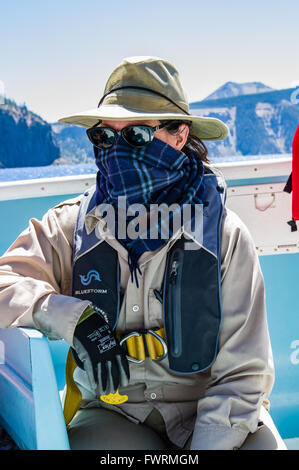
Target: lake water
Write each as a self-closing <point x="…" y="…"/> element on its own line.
<point x="15" y="174"/>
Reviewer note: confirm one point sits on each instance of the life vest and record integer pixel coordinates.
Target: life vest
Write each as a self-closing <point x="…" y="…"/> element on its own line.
<point x="191" y="284"/>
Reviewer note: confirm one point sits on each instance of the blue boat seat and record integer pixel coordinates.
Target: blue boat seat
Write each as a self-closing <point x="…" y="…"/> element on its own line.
<point x="31" y="384"/>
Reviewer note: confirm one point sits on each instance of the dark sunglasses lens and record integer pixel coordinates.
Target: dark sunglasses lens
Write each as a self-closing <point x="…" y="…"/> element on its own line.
<point x="138" y="136"/>
<point x="102" y="137"/>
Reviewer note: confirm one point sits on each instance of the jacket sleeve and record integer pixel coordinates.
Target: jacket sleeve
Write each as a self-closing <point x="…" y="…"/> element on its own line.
<point x="242" y="374"/>
<point x="35" y="277"/>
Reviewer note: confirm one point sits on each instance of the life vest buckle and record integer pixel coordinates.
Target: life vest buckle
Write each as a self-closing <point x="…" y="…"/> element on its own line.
<point x="145" y="343"/>
<point x="126" y="338"/>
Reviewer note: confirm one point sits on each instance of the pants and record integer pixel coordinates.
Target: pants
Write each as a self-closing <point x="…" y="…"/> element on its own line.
<point x="100" y="429"/>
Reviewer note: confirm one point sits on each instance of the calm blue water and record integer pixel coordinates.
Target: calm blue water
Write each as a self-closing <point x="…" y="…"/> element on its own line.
<point x="14" y="174"/>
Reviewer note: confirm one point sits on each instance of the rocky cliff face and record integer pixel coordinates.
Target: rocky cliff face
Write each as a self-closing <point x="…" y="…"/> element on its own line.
<point x="259" y="123"/>
<point x="73" y="143"/>
<point x="230" y="89"/>
<point x="25" y="139"/>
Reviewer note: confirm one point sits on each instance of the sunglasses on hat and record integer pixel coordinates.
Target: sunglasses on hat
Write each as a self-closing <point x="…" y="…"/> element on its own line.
<point x="134" y="135"/>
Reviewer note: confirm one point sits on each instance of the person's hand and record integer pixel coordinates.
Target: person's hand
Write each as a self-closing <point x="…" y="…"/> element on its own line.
<point x="97" y="351"/>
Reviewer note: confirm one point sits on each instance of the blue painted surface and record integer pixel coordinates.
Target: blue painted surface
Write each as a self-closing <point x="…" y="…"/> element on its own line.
<point x="281" y="280"/>
<point x="31" y="409"/>
<point x="264" y="180"/>
<point x="15" y="214"/>
<point x="51" y="432"/>
<point x="17" y="410"/>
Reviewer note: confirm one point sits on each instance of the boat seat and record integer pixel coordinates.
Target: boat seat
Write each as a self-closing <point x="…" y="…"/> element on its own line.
<point x="31" y="384"/>
<point x="32" y="379"/>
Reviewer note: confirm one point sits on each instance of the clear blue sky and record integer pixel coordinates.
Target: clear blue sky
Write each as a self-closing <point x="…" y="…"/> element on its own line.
<point x="56" y="55"/>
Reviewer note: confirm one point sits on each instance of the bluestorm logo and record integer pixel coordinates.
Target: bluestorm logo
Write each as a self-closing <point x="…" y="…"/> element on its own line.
<point x="92" y="274"/>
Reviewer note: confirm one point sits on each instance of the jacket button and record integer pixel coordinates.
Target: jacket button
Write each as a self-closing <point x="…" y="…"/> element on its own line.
<point x="135" y="308"/>
<point x="195" y="366"/>
<point x="153" y="396"/>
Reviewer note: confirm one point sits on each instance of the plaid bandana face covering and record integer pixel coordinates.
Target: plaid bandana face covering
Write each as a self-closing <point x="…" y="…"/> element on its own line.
<point x="153" y="174"/>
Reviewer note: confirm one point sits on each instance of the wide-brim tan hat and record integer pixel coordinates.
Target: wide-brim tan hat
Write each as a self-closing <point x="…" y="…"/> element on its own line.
<point x="147" y="88"/>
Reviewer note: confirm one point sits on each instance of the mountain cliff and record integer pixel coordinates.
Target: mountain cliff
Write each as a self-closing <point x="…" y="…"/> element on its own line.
<point x="230" y="89"/>
<point x="25" y="139"/>
<point x="259" y="123"/>
<point x="73" y="143"/>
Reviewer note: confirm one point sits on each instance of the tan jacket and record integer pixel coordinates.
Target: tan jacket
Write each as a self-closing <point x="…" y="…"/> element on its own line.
<point x="222" y="404"/>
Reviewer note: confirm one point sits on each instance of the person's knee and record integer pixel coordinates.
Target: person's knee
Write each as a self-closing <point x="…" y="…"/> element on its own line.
<point x="101" y="429"/>
<point x="266" y="437"/>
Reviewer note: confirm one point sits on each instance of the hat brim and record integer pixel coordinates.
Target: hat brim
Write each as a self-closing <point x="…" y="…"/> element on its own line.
<point x="205" y="128"/>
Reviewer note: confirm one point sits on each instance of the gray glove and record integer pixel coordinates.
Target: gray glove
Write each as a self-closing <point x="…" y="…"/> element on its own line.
<point x="97" y="351"/>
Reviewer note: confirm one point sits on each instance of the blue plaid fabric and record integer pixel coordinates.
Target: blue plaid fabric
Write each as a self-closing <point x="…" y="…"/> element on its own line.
<point x="153" y="174"/>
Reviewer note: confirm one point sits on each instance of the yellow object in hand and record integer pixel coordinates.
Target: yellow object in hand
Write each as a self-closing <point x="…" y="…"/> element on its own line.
<point x="114" y="398"/>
